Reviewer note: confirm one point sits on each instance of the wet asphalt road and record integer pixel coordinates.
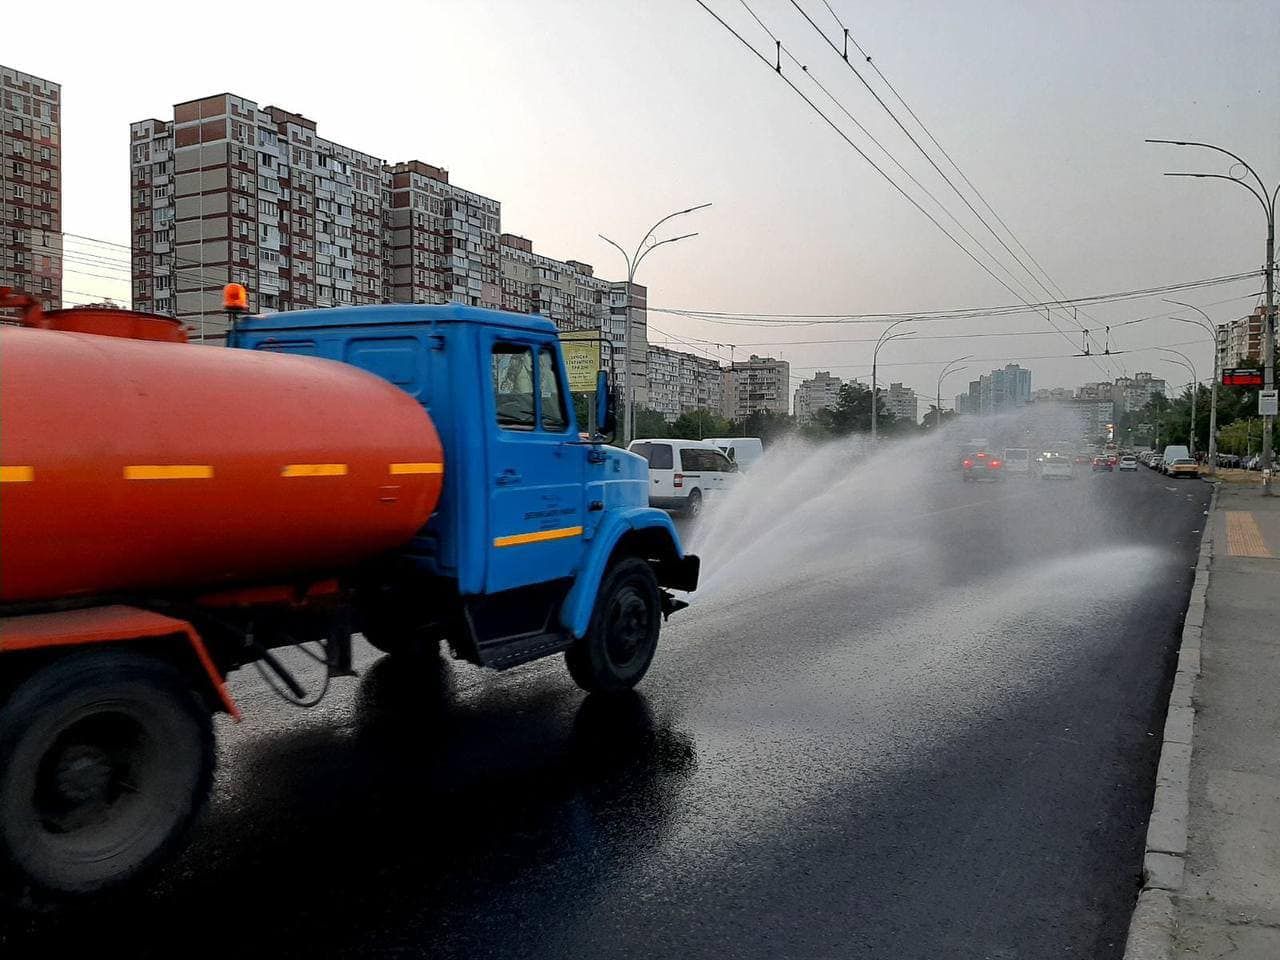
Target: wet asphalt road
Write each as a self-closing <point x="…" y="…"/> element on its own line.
<point x="909" y="718"/>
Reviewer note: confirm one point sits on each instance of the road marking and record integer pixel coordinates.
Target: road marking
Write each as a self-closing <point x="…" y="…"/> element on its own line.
<point x="1244" y="539"/>
<point x="517" y="539"/>
<point x="17" y="474"/>
<point x="314" y="470"/>
<point x="190" y="471"/>
<point x="401" y="468"/>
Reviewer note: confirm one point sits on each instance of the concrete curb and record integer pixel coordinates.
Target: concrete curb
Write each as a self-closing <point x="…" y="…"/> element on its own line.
<point x="1151" y="928"/>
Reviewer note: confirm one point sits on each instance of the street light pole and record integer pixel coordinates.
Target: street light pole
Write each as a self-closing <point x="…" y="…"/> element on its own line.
<point x="949" y="369"/>
<point x="875" y="352"/>
<point x="1268" y="321"/>
<point x="1209" y="328"/>
<point x="1195" y="388"/>
<point x="633" y="261"/>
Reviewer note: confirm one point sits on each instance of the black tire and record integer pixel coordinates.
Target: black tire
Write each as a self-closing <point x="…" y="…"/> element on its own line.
<point x="622" y="637"/>
<point x="693" y="505"/>
<point x="106" y="759"/>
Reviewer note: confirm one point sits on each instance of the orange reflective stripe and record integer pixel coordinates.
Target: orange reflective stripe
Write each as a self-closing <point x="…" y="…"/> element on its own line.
<point x="402" y="468"/>
<point x="314" y="470"/>
<point x="189" y="471"/>
<point x="518" y="539"/>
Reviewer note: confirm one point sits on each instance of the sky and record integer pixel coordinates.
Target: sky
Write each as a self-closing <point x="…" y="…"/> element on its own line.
<point x="600" y="116"/>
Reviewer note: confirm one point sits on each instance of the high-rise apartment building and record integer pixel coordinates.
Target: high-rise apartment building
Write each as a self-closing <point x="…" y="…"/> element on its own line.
<point x="31" y="186"/>
<point x="1133" y="393"/>
<point x="819" y="392"/>
<point x="228" y="192"/>
<point x="567" y="292"/>
<point x="444" y="239"/>
<point x="1240" y="341"/>
<point x="760" y="383"/>
<point x="902" y="403"/>
<point x="681" y="382"/>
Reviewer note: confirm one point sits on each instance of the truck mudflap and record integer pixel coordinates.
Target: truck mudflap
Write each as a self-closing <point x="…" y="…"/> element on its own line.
<point x="654" y="536"/>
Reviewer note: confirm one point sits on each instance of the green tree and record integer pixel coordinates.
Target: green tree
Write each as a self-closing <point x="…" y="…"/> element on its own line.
<point x="651" y="423"/>
<point x="768" y="425"/>
<point x="931" y="419"/>
<point x="701" y="423"/>
<point x="852" y="412"/>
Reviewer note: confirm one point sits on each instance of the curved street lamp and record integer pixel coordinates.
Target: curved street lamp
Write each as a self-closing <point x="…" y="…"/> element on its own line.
<point x="633" y="261"/>
<point x="875" y="352"/>
<point x="1195" y="388"/>
<point x="1269" y="322"/>
<point x="949" y="369"/>
<point x="1208" y="327"/>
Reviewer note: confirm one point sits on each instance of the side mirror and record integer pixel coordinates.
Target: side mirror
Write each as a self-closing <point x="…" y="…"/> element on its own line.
<point x="605" y="413"/>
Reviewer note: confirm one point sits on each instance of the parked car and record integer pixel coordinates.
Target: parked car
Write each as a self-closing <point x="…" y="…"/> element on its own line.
<point x="1054" y="467"/>
<point x="1103" y="462"/>
<point x="684" y="474"/>
<point x="1128" y="463"/>
<point x="1017" y="461"/>
<point x="982" y="466"/>
<point x="744" y="451"/>
<point x="1156" y="463"/>
<point x="1183" y="467"/>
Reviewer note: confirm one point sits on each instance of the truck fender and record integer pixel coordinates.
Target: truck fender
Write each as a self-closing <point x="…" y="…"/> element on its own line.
<point x="116" y="623"/>
<point x="653" y="535"/>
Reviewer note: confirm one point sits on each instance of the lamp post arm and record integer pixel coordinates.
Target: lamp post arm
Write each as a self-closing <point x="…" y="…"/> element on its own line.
<point x="1209" y="146"/>
<point x="1261" y="198"/>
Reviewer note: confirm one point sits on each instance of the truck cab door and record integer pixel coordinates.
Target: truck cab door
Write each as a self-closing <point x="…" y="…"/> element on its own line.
<point x="536" y="473"/>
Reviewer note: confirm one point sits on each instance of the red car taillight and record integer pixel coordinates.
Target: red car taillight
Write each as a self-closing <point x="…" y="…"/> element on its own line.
<point x="678" y="481"/>
<point x="994" y="465"/>
<point x="968" y="463"/>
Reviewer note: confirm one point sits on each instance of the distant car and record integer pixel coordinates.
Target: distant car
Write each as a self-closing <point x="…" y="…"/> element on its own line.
<point x="1156" y="462"/>
<point x="684" y="474"/>
<point x="1128" y="463"/>
<point x="1183" y="467"/>
<point x="1054" y="467"/>
<point x="1017" y="461"/>
<point x="1102" y="463"/>
<point x="982" y="466"/>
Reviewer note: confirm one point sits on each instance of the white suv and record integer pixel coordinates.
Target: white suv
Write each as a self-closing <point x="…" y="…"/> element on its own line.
<point x="683" y="474"/>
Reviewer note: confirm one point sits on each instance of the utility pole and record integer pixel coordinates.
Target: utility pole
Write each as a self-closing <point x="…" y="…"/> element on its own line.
<point x="884" y="338"/>
<point x="1269" y="320"/>
<point x="633" y="263"/>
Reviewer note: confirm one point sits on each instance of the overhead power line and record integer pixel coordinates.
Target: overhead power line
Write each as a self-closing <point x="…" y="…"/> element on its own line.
<point x="964" y="313"/>
<point x="844" y="55"/>
<point x="862" y="153"/>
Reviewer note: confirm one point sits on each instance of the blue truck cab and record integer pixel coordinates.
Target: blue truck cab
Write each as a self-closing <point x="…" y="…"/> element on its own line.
<point x="543" y="539"/>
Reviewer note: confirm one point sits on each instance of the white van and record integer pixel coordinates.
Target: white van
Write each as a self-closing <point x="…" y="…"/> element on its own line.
<point x="1172" y="453"/>
<point x="683" y="474"/>
<point x="744" y="451"/>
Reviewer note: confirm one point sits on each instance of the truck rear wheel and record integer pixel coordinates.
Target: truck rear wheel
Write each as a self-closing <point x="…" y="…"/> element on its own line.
<point x="622" y="637"/>
<point x="106" y="758"/>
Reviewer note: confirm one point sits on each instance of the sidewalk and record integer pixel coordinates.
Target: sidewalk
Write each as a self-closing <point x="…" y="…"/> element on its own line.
<point x="1212" y="867"/>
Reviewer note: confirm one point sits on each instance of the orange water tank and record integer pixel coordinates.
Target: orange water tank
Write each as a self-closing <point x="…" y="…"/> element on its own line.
<point x="135" y="461"/>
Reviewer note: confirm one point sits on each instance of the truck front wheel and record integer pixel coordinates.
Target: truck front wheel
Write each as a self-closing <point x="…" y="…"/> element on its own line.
<point x="105" y="760"/>
<point x="621" y="639"/>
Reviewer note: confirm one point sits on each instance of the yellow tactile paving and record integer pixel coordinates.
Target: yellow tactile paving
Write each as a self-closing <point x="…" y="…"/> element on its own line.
<point x="1244" y="539"/>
